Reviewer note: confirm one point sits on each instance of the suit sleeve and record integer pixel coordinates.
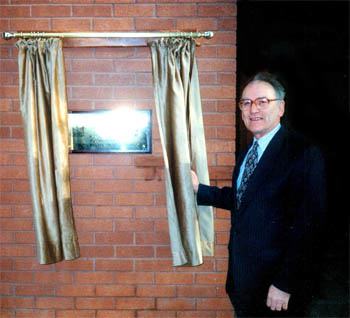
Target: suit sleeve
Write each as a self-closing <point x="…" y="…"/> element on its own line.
<point x="223" y="198"/>
<point x="306" y="206"/>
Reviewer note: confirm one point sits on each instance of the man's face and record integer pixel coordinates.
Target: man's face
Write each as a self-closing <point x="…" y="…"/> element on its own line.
<point x="260" y="121"/>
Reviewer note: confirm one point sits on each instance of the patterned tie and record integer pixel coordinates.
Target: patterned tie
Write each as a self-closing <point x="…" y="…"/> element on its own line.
<point x="250" y="164"/>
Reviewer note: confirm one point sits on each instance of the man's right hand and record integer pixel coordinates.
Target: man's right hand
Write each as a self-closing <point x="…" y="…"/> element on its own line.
<point x="195" y="181"/>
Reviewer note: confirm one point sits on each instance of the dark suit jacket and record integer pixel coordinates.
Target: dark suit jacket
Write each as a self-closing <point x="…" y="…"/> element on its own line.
<point x="272" y="233"/>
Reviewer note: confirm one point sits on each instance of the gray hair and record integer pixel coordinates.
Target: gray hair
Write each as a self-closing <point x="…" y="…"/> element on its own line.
<point x="272" y="80"/>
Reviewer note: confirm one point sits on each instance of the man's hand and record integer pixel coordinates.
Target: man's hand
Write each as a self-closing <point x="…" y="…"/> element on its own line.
<point x="277" y="299"/>
<point x="195" y="181"/>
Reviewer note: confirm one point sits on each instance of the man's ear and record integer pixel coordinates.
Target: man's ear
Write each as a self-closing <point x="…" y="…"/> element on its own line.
<point x="281" y="107"/>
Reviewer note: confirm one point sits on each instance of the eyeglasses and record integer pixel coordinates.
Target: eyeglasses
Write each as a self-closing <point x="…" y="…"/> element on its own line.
<point x="260" y="103"/>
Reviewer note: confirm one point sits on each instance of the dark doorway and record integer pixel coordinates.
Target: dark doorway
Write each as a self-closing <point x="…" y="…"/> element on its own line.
<point x="307" y="44"/>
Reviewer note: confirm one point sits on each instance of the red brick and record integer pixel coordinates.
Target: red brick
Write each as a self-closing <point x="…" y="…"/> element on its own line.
<point x="5" y="105"/>
<point x="25" y="237"/>
<point x="135" y="199"/>
<point x="5" y="289"/>
<point x="124" y="92"/>
<point x="94" y="225"/>
<point x="75" y="314"/>
<point x="31" y="24"/>
<point x="14" y="11"/>
<point x="5" y="211"/>
<point x="199" y="314"/>
<point x="94" y="277"/>
<point x="175" y="304"/>
<point x="135" y="303"/>
<point x="17" y="250"/>
<point x="31" y="264"/>
<point x="80" y="159"/>
<point x="112" y="160"/>
<point x="211" y="278"/>
<point x="93" y="199"/>
<point x="214" y="304"/>
<point x="135" y="278"/>
<point x="226" y="133"/>
<point x="75" y="265"/>
<point x="114" y="313"/>
<point x="6" y="264"/>
<point x="53" y="277"/>
<point x="112" y="212"/>
<point x="218" y="92"/>
<point x="154" y="24"/>
<point x="79" y="78"/>
<point x="17" y="302"/>
<point x="9" y="91"/>
<point x="190" y="24"/>
<point x="163" y="252"/>
<point x="93" y="11"/>
<point x="12" y="173"/>
<point x="55" y="302"/>
<point x="12" y="145"/>
<point x="174" y="278"/>
<point x="134" y="173"/>
<point x="120" y="24"/>
<point x="51" y="10"/>
<point x="161" y="225"/>
<point x="121" y="52"/>
<point x="31" y="290"/>
<point x="89" y="65"/>
<point x="227" y="24"/>
<point x="196" y="291"/>
<point x="114" y="238"/>
<point x="156" y="291"/>
<point x="150" y="212"/>
<point x="93" y="173"/>
<point x="156" y="238"/>
<point x="115" y="290"/>
<point x="115" y="79"/>
<point x="156" y="314"/>
<point x="95" y="303"/>
<point x="135" y="251"/>
<point x="97" y="251"/>
<point x="114" y="265"/>
<point x="82" y="186"/>
<point x="117" y="186"/>
<point x="20" y="277"/>
<point x="143" y="10"/>
<point x="154" y="265"/>
<point x="134" y="225"/>
<point x="217" y="10"/>
<point x="35" y="313"/>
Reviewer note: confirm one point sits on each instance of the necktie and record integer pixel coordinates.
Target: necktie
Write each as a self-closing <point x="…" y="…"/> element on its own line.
<point x="250" y="164"/>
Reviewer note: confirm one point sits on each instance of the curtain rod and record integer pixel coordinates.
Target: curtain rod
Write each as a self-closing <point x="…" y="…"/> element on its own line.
<point x="12" y="35"/>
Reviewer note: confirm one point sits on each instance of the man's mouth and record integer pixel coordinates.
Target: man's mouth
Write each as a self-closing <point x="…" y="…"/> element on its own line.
<point x="255" y="118"/>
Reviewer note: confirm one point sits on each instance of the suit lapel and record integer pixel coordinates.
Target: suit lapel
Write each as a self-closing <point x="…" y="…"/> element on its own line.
<point x="265" y="164"/>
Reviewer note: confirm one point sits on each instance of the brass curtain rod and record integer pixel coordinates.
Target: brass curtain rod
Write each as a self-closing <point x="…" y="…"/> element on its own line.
<point x="12" y="35"/>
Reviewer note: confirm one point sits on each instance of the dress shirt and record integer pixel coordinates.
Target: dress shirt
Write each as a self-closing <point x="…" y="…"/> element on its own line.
<point x="263" y="142"/>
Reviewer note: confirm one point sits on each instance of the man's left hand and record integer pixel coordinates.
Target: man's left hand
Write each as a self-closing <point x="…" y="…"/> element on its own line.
<point x="277" y="299"/>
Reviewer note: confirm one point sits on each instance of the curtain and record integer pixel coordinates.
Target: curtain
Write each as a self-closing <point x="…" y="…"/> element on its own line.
<point x="43" y="106"/>
<point x="179" y="115"/>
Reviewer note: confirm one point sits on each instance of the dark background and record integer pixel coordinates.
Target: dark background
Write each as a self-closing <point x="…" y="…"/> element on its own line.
<point x="307" y="44"/>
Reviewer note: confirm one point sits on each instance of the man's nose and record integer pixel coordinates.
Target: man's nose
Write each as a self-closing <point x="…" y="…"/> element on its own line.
<point x="254" y="107"/>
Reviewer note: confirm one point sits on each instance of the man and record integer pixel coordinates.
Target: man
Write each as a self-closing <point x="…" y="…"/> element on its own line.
<point x="277" y="203"/>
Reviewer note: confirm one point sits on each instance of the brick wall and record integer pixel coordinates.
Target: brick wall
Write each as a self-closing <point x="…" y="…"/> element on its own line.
<point x="118" y="199"/>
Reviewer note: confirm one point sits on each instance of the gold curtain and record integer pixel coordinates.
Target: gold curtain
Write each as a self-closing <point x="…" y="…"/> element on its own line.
<point x="179" y="114"/>
<point x="43" y="103"/>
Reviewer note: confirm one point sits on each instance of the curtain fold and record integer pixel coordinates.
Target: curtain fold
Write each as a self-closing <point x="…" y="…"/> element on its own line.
<point x="43" y="103"/>
<point x="180" y="122"/>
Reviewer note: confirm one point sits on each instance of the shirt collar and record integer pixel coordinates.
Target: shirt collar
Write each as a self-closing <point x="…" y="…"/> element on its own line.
<point x="265" y="140"/>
